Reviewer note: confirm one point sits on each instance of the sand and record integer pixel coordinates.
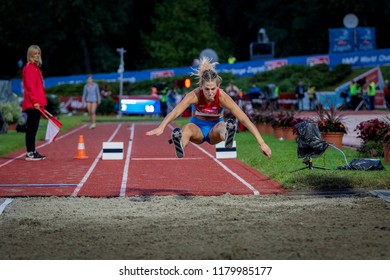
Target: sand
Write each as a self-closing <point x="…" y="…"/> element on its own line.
<point x="301" y="227"/>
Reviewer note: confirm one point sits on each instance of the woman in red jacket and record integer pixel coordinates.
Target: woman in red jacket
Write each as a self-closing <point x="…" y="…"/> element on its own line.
<point x="34" y="98"/>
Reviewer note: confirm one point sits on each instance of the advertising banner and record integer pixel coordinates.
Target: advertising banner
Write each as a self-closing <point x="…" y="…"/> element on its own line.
<point x="341" y="40"/>
<point x="365" y="38"/>
<point x="357" y="59"/>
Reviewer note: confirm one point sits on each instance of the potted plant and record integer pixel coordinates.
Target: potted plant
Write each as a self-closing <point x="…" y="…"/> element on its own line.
<point x="386" y="147"/>
<point x="372" y="132"/>
<point x="386" y="140"/>
<point x="277" y="124"/>
<point x="12" y="114"/>
<point x="330" y="124"/>
<point x="268" y="120"/>
<point x="260" y="118"/>
<point x="288" y="125"/>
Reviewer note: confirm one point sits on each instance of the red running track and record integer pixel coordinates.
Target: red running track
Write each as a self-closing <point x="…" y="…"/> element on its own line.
<point x="149" y="168"/>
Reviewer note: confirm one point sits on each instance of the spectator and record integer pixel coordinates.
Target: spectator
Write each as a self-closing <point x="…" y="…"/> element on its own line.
<point x="153" y="92"/>
<point x="231" y="59"/>
<point x="105" y="92"/>
<point x="275" y="98"/>
<point x="300" y="95"/>
<point x="371" y="92"/>
<point x="312" y="97"/>
<point x="91" y="97"/>
<point x="386" y="92"/>
<point x="232" y="90"/>
<point x="254" y="92"/>
<point x="171" y="99"/>
<point x="353" y="92"/>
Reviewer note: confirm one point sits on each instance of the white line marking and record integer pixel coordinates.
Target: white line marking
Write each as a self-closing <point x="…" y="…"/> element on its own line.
<point x="181" y="159"/>
<point x="249" y="186"/>
<point x="127" y="163"/>
<point x="37" y="185"/>
<point x="5" y="203"/>
<point x="47" y="143"/>
<point x="90" y="170"/>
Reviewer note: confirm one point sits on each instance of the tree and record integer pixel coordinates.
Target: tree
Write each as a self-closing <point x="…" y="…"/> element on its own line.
<point x="182" y="30"/>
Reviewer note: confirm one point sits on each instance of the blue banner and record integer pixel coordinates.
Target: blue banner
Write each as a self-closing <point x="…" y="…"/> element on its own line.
<point x="341" y="40"/>
<point x="366" y="38"/>
<point x="360" y="59"/>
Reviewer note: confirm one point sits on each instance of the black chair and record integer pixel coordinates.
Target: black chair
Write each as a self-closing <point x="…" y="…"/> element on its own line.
<point x="310" y="145"/>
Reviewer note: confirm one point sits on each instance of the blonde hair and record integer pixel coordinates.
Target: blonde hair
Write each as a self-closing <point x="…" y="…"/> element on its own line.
<point x="31" y="51"/>
<point x="206" y="72"/>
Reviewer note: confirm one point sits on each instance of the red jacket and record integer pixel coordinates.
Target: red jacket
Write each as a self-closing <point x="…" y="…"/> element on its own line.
<point x="33" y="87"/>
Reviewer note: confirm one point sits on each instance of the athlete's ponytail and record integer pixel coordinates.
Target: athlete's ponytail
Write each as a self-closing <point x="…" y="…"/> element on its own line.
<point x="206" y="72"/>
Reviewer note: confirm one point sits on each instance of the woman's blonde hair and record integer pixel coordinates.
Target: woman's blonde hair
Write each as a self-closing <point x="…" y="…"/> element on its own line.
<point x="206" y="72"/>
<point x="31" y="51"/>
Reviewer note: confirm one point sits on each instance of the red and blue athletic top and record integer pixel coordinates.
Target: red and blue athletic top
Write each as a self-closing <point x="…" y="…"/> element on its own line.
<point x="205" y="109"/>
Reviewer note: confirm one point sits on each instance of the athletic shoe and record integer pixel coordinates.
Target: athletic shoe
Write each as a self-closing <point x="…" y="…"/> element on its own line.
<point x="34" y="156"/>
<point x="230" y="132"/>
<point x="92" y="126"/>
<point x="176" y="139"/>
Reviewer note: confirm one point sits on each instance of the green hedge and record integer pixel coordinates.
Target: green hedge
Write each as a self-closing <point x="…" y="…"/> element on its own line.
<point x="287" y="77"/>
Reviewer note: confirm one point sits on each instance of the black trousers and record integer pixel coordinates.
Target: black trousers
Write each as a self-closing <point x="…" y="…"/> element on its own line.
<point x="32" y="124"/>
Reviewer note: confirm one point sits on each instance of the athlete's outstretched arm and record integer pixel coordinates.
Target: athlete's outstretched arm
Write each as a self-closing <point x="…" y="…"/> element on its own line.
<point x="228" y="103"/>
<point x="189" y="99"/>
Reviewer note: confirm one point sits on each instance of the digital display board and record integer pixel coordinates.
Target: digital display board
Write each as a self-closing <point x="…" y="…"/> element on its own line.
<point x="140" y="106"/>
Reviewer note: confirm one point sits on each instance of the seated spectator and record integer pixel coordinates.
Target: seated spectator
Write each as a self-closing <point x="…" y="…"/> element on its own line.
<point x="232" y="90"/>
<point x="254" y="92"/>
<point x="105" y="92"/>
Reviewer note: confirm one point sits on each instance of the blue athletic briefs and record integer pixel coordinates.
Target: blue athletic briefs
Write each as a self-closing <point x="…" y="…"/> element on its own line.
<point x="205" y="126"/>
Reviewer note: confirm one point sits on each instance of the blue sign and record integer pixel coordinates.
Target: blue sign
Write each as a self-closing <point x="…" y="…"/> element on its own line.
<point x="366" y="39"/>
<point x="140" y="106"/>
<point x="341" y="40"/>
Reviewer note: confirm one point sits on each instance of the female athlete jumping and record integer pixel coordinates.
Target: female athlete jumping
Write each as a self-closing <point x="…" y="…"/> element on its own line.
<point x="207" y="122"/>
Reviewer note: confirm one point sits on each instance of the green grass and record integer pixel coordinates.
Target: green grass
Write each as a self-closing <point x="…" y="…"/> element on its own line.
<point x="284" y="159"/>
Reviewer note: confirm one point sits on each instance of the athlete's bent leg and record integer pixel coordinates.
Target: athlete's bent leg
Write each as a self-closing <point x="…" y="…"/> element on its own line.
<point x="191" y="132"/>
<point x="217" y="133"/>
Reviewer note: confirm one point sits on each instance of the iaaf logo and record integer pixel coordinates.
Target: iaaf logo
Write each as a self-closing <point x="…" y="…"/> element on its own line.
<point x="317" y="60"/>
<point x="350" y="60"/>
<point x="270" y="65"/>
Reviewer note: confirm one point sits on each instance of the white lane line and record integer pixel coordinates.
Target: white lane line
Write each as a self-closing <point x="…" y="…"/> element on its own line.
<point x="5" y="203"/>
<point x="36" y="185"/>
<point x="90" y="170"/>
<point x="181" y="159"/>
<point x="127" y="163"/>
<point x="249" y="186"/>
<point x="40" y="146"/>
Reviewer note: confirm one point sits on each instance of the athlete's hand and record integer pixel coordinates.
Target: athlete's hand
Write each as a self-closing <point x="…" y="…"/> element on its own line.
<point x="266" y="150"/>
<point x="157" y="131"/>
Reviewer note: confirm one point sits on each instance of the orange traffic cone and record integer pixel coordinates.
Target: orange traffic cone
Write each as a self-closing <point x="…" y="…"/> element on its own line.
<point x="81" y="154"/>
